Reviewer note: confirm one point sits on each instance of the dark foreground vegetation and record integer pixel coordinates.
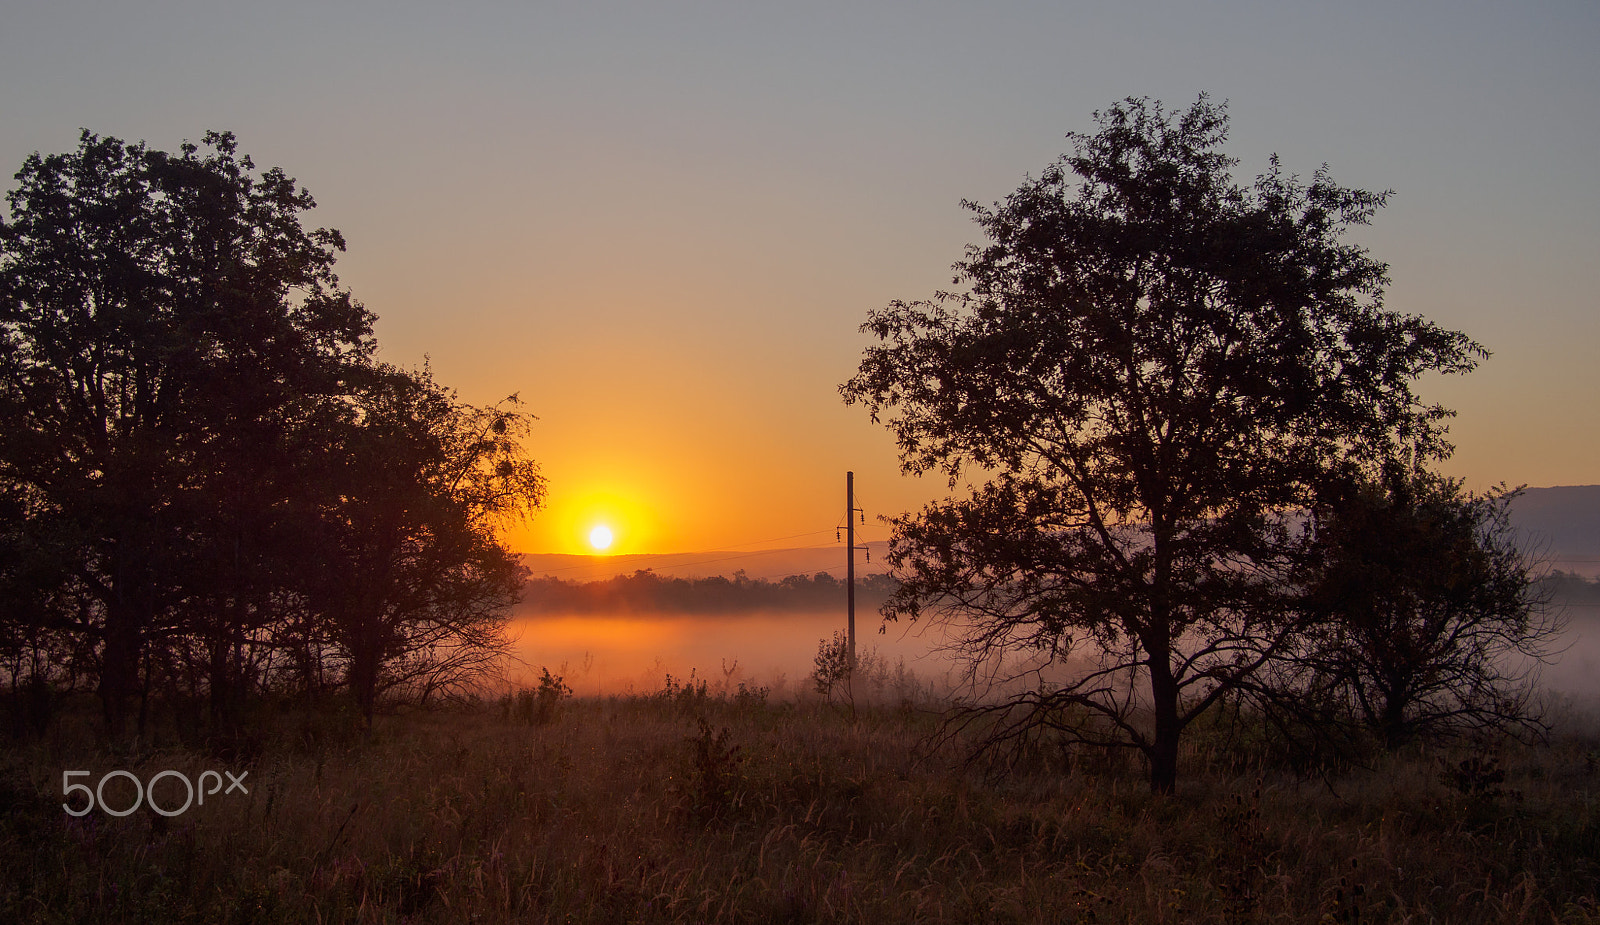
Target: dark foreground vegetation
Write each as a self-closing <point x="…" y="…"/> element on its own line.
<point x="688" y="807"/>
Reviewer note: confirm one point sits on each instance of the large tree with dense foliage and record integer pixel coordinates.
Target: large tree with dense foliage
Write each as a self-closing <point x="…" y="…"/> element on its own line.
<point x="1148" y="368"/>
<point x="164" y="320"/>
<point x="182" y="378"/>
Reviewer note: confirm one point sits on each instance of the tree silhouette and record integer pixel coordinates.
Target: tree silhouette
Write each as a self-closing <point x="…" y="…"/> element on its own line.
<point x="1149" y="367"/>
<point x="1427" y="618"/>
<point x="412" y="585"/>
<point x="194" y="429"/>
<point x="163" y="318"/>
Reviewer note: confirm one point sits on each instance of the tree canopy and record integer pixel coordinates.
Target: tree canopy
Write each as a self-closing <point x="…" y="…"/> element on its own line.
<point x="1146" y="369"/>
<point x="180" y="372"/>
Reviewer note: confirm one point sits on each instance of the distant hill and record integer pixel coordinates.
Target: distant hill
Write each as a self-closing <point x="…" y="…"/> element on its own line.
<point x="1561" y="525"/>
<point x="769" y="564"/>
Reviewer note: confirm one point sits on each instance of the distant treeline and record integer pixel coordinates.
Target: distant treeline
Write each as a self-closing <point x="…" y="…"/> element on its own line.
<point x="646" y="591"/>
<point x="1567" y="588"/>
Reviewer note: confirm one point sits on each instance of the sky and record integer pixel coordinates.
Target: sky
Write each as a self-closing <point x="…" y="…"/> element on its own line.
<point x="661" y="224"/>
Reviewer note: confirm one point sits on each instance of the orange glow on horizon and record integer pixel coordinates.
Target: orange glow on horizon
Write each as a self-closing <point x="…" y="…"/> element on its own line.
<point x="590" y="520"/>
<point x="671" y="464"/>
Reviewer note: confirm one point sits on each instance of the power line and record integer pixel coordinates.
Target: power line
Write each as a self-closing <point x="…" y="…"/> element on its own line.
<point x="881" y="570"/>
<point x="748" y="555"/>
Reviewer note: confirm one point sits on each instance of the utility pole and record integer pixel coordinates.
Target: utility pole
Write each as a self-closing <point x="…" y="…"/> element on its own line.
<point x="850" y="560"/>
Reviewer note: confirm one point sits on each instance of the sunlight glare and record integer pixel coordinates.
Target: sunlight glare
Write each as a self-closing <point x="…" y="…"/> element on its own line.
<point x="600" y="537"/>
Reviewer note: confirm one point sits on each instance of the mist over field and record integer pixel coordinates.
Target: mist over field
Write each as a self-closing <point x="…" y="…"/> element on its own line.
<point x="601" y="654"/>
<point x="588" y="619"/>
<point x="617" y="649"/>
<point x="1576" y="671"/>
<point x="632" y="649"/>
<point x="1575" y="664"/>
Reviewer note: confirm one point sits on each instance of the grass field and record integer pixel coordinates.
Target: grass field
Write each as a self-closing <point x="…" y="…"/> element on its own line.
<point x="683" y="807"/>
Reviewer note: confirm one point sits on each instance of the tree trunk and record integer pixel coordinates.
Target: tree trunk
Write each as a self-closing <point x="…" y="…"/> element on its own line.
<point x="366" y="661"/>
<point x="119" y="663"/>
<point x="1157" y="640"/>
<point x="220" y="682"/>
<point x="1163" y="750"/>
<point x="1392" y="720"/>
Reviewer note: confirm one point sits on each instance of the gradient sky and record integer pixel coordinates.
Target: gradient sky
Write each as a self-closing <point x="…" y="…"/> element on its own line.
<point x="662" y="223"/>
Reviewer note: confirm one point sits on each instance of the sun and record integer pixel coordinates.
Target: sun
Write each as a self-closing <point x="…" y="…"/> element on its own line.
<point x="600" y="538"/>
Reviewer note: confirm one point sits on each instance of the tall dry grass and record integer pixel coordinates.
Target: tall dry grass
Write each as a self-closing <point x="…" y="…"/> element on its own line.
<point x="685" y="807"/>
